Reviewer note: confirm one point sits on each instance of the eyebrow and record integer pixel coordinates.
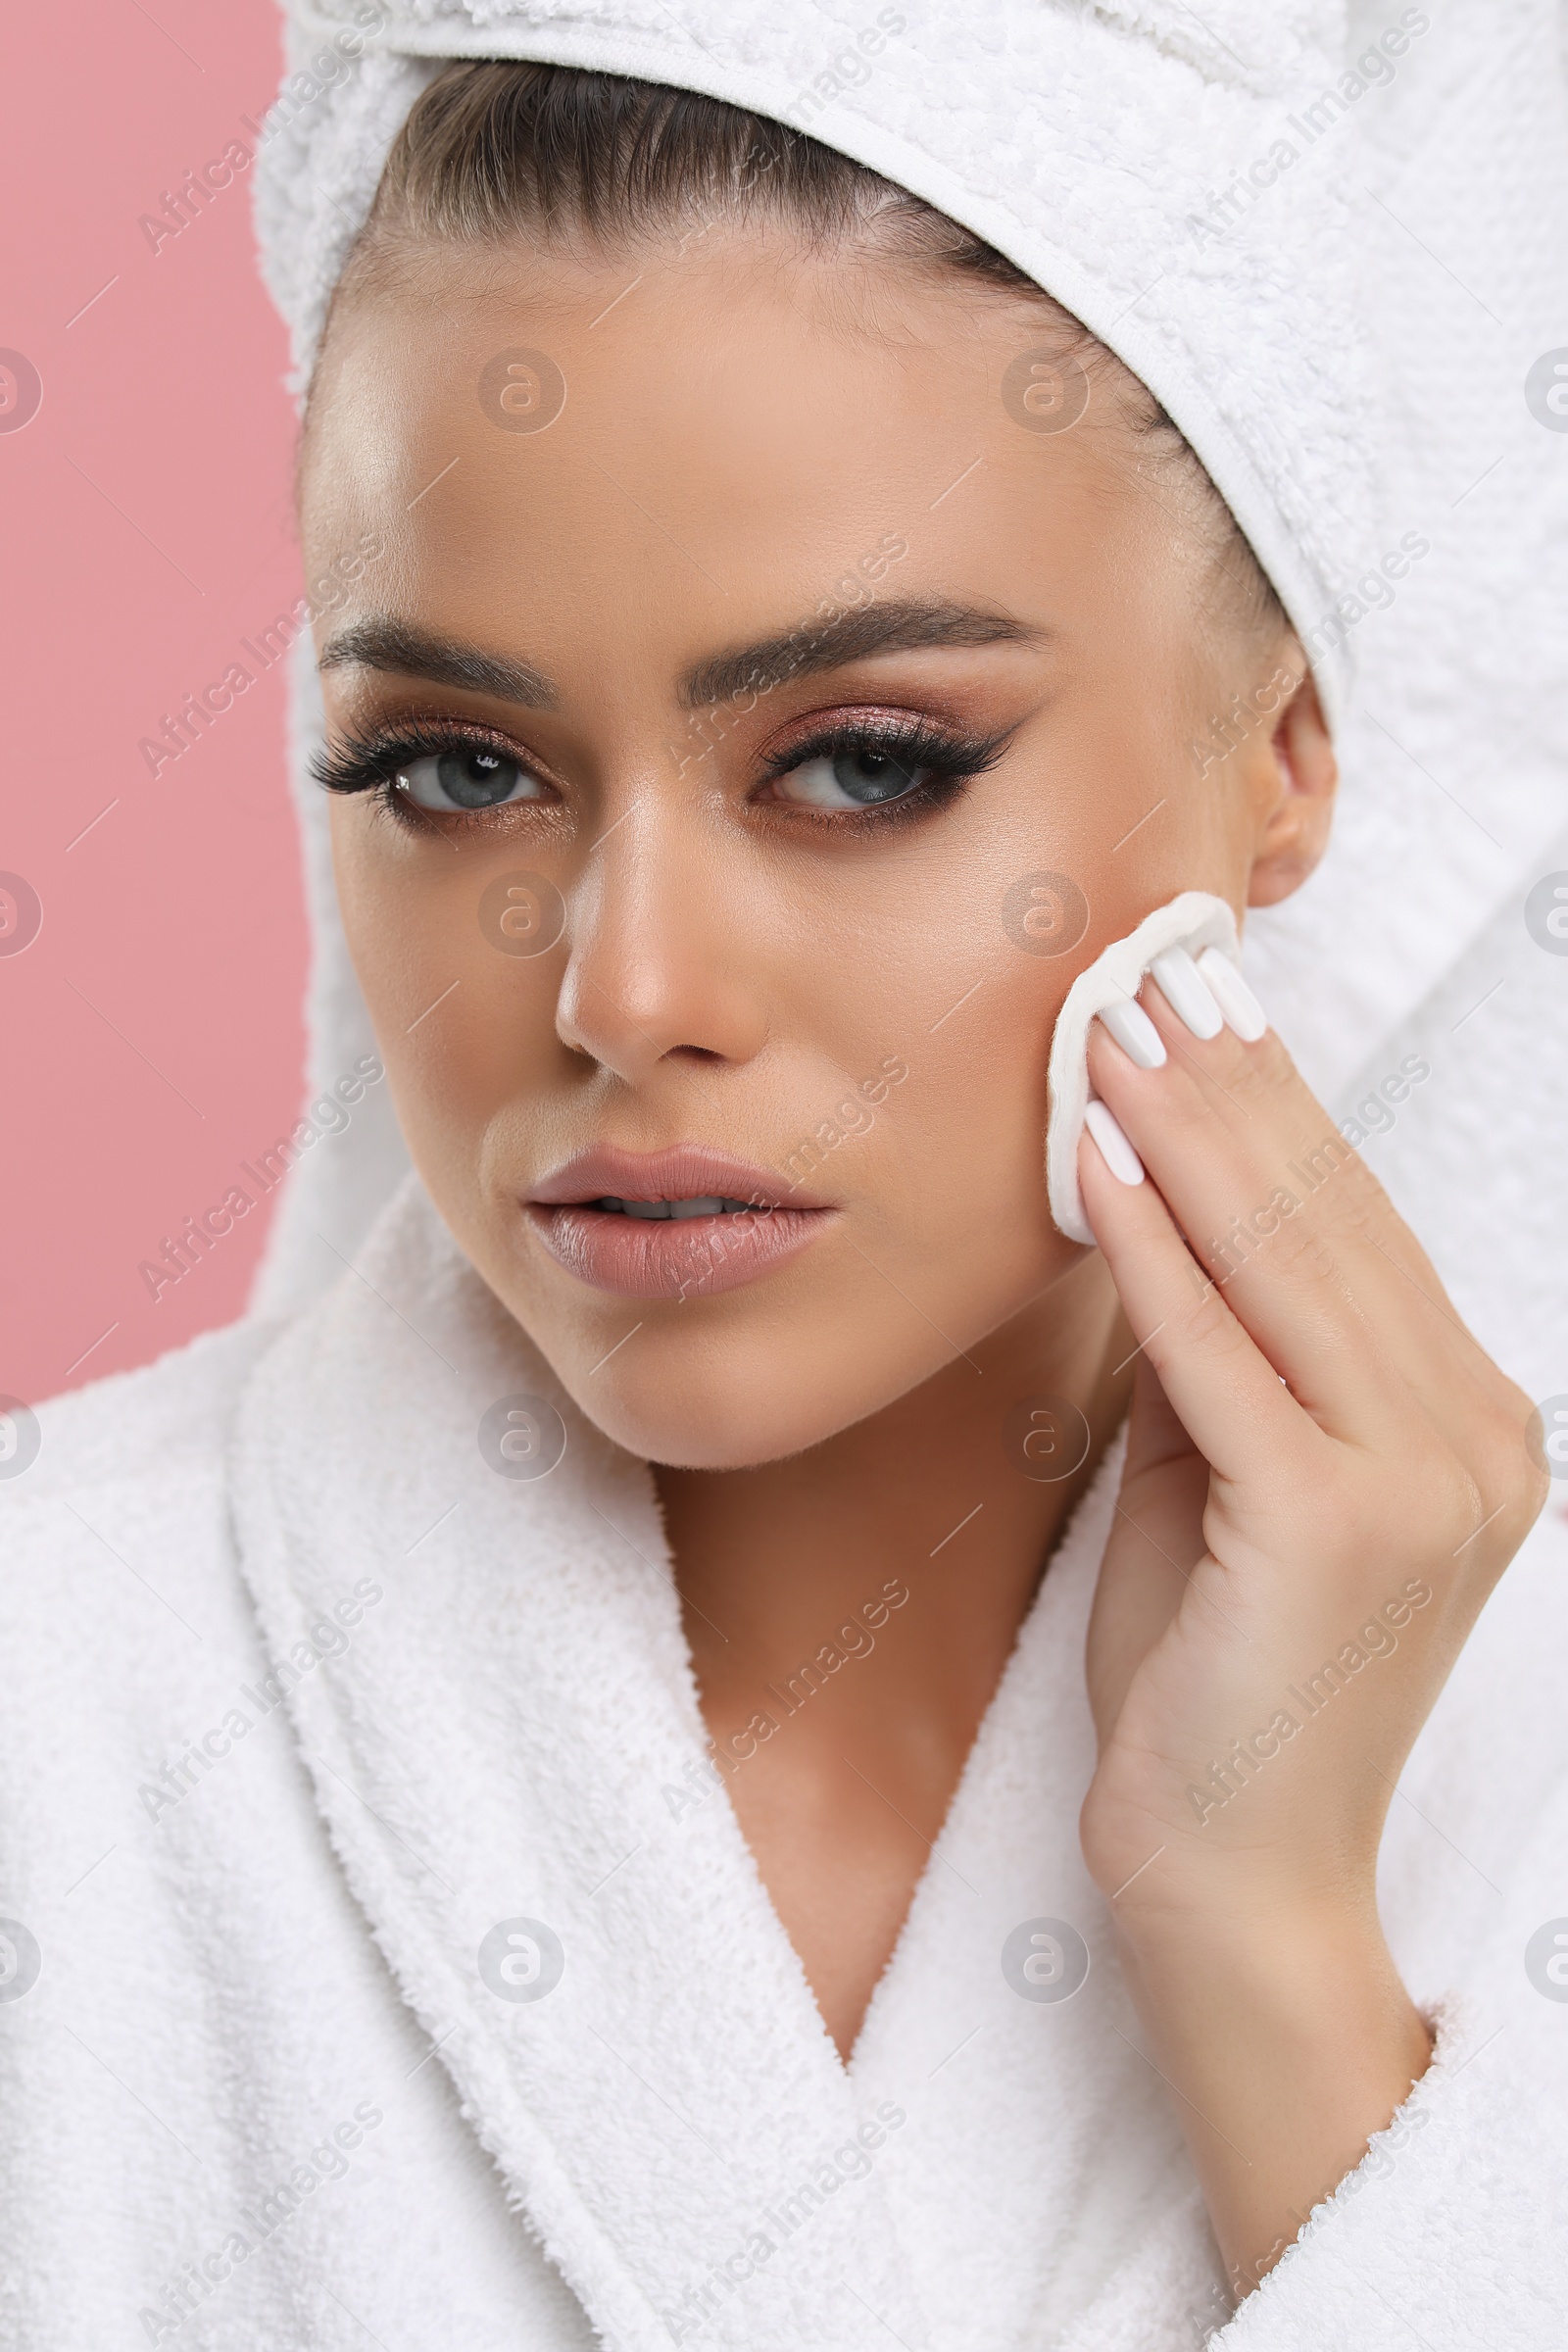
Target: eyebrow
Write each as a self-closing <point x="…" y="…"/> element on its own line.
<point x="408" y="652"/>
<point x="905" y="626"/>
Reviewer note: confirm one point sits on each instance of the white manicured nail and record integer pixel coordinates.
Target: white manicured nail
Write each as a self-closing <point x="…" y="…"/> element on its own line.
<point x="1114" y="1148"/>
<point x="1130" y="1025"/>
<point x="1186" y="992"/>
<point x="1236" y="1000"/>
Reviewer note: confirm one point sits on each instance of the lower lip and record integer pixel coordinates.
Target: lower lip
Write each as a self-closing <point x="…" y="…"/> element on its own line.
<point x="672" y="1258"/>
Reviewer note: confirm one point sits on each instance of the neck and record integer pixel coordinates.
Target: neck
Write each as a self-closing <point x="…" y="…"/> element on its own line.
<point x="887" y="1571"/>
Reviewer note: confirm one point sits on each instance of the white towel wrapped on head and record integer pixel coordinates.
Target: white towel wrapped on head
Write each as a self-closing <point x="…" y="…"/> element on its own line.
<point x="1330" y="238"/>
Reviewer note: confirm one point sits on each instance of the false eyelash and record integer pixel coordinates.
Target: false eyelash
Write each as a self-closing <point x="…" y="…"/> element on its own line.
<point x="369" y="761"/>
<point x="953" y="761"/>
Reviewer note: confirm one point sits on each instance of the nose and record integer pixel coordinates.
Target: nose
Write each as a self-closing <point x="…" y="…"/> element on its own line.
<point x="664" y="960"/>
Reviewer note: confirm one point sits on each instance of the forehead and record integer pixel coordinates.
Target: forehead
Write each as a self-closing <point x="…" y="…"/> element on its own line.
<point x="719" y="431"/>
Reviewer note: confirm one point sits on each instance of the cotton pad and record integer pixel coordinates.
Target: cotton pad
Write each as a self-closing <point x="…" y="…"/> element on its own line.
<point x="1195" y="920"/>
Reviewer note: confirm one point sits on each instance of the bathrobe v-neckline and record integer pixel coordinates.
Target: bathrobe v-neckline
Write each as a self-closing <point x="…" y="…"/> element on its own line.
<point x="505" y="1755"/>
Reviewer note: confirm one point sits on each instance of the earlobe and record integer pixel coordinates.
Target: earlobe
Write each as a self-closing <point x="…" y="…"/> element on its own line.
<point x="1297" y="778"/>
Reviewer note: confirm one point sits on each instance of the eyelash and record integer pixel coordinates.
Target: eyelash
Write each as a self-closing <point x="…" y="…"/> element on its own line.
<point x="371" y="762"/>
<point x="952" y="760"/>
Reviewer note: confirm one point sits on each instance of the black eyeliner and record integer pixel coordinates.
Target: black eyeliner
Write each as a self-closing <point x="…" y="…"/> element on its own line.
<point x="364" y="762"/>
<point x="369" y="761"/>
<point x="911" y="743"/>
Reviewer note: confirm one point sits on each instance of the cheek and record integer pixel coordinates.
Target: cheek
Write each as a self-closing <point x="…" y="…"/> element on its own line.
<point x="464" y="1024"/>
<point x="962" y="1189"/>
<point x="946" y="1184"/>
<point x="961" y="1139"/>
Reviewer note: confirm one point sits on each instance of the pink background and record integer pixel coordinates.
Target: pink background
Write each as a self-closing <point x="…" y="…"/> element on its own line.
<point x="151" y="1031"/>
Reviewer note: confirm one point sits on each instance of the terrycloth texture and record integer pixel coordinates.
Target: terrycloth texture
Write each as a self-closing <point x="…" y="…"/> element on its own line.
<point x="1195" y="920"/>
<point x="1345" y="346"/>
<point x="291" y="1668"/>
<point x="1067" y="129"/>
<point x="234" y="2120"/>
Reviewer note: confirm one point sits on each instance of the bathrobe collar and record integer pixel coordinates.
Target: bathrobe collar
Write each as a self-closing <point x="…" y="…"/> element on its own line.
<point x="505" y="1743"/>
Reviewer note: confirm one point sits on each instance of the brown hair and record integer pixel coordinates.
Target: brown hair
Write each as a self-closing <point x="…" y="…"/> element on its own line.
<point x="496" y="150"/>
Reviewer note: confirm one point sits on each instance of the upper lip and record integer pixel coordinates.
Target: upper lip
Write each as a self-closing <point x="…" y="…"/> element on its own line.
<point x="680" y="1172"/>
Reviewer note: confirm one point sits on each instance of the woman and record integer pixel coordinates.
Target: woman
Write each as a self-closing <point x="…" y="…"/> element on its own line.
<point x="689" y="1783"/>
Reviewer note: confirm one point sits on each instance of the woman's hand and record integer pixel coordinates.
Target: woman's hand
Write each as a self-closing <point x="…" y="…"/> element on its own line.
<point x="1326" y="1475"/>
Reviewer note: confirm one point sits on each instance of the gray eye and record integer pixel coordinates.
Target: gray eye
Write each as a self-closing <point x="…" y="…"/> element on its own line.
<point x="470" y="777"/>
<point x="849" y="779"/>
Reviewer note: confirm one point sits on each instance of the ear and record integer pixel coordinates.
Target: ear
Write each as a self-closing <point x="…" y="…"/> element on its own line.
<point x="1294" y="779"/>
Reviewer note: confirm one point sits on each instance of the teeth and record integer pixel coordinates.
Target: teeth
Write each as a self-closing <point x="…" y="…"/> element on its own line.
<point x="707" y="1204"/>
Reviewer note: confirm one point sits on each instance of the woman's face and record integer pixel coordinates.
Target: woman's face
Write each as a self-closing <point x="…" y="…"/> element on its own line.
<point x="790" y="703"/>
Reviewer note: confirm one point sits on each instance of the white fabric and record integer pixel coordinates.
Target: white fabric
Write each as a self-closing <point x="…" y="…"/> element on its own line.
<point x="1346" y="350"/>
<point x="283" y="1942"/>
<point x="1092" y="190"/>
<point x="1195" y="920"/>
<point x="509" y="1730"/>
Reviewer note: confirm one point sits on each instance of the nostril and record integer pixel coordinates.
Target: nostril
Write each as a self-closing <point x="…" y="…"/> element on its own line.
<point x="694" y="1053"/>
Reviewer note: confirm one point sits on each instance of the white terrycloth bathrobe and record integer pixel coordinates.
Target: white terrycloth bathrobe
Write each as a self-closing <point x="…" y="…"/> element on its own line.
<point x="304" y="1701"/>
<point x="380" y="1962"/>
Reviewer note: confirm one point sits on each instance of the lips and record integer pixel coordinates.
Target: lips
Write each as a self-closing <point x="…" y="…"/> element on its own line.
<point x="678" y="1224"/>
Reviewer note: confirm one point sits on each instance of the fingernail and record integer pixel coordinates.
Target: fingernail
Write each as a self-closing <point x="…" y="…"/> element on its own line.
<point x="1185" y="992"/>
<point x="1236" y="1000"/>
<point x="1130" y="1025"/>
<point x="1114" y="1148"/>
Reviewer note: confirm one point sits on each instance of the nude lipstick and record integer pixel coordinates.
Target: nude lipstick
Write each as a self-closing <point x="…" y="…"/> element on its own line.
<point x="679" y="1224"/>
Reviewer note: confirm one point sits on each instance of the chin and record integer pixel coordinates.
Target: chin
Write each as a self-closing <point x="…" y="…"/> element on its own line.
<point x="763" y="1370"/>
<point x="729" y="1406"/>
